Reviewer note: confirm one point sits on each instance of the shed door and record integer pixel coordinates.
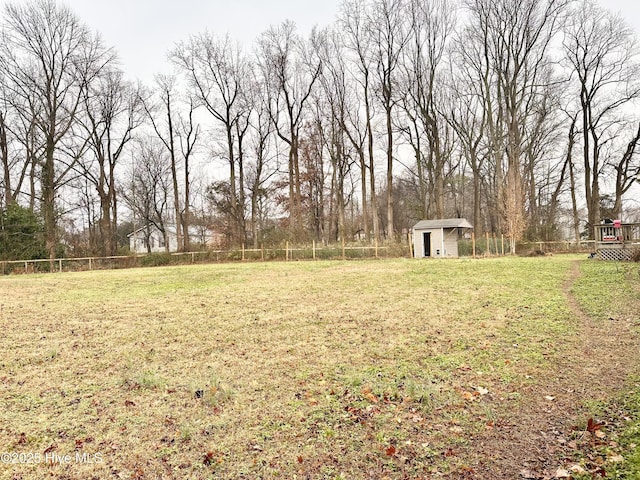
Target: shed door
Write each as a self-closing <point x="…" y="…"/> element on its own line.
<point x="426" y="242"/>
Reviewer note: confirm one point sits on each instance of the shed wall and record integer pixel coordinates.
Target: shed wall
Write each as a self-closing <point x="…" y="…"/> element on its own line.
<point x="449" y="241"/>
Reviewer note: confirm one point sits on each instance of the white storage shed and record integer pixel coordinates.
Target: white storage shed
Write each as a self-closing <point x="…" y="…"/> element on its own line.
<point x="439" y="238"/>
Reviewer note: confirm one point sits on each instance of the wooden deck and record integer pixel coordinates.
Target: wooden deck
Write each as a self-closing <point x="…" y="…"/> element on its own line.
<point x="617" y="241"/>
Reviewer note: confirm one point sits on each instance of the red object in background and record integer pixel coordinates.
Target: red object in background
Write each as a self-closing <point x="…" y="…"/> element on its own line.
<point x="617" y="223"/>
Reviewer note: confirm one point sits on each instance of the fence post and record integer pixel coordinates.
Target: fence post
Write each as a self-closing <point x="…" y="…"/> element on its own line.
<point x="286" y="253"/>
<point x="376" y="250"/>
<point x="60" y="265"/>
<point x="243" y="252"/>
<point x="503" y="244"/>
<point x="473" y="243"/>
<point x="410" y="245"/>
<point x="262" y="251"/>
<point x="314" y="248"/>
<point x="90" y="264"/>
<point x="488" y="251"/>
<point x="344" y="257"/>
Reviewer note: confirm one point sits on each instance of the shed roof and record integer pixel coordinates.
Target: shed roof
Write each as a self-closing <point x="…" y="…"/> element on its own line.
<point x="443" y="223"/>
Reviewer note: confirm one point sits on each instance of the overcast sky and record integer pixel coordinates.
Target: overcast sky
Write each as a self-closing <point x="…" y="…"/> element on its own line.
<point x="142" y="31"/>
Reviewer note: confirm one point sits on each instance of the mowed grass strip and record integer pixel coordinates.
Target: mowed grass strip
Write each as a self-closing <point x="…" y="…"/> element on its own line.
<point x="317" y="369"/>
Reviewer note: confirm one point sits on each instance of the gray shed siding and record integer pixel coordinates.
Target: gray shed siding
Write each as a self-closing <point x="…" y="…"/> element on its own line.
<point x="442" y="236"/>
<point x="441" y="246"/>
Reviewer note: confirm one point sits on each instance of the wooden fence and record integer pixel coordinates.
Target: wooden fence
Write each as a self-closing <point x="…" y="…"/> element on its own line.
<point x="489" y="246"/>
<point x="286" y="252"/>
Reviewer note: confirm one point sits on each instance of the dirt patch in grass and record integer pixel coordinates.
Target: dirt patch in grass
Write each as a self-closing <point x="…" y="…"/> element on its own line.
<point x="374" y="369"/>
<point x="542" y="438"/>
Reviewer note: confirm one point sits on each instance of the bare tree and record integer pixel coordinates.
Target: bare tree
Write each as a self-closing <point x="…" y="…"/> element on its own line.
<point x="627" y="169"/>
<point x="112" y="111"/>
<point x="337" y="106"/>
<point x="50" y="59"/>
<point x="179" y="137"/>
<point x="333" y="101"/>
<point x="468" y="118"/>
<point x="600" y="49"/>
<point x="148" y="191"/>
<point x="216" y="70"/>
<point x="425" y="94"/>
<point x="358" y="40"/>
<point x="291" y="69"/>
<point x="512" y="67"/>
<point x="390" y="36"/>
<point x="263" y="168"/>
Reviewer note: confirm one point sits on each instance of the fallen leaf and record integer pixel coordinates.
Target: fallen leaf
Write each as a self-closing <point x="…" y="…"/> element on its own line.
<point x="208" y="458"/>
<point x="600" y="434"/>
<point x="577" y="469"/>
<point x="366" y="391"/>
<point x="391" y="451"/>
<point x="616" y="459"/>
<point x="549" y="398"/>
<point x="468" y="396"/>
<point x="482" y="391"/>
<point x="300" y="460"/>
<point x="562" y="473"/>
<point x="593" y="426"/>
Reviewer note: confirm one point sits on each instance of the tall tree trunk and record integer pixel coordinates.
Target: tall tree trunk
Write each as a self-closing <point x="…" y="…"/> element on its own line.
<point x="363" y="192"/>
<point x="49" y="200"/>
<point x="4" y="158"/>
<point x="390" y="225"/>
<point x="372" y="176"/>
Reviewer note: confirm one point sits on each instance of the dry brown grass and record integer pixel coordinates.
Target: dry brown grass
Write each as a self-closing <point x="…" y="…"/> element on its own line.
<point x="366" y="369"/>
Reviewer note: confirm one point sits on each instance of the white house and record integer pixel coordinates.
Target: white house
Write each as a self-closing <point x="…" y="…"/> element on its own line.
<point x="151" y="236"/>
<point x="438" y="238"/>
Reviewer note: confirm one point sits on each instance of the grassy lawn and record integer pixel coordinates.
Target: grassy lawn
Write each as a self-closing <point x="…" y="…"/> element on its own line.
<point x="362" y="369"/>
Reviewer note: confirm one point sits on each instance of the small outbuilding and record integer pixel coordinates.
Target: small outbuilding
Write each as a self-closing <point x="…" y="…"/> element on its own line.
<point x="617" y="241"/>
<point x="439" y="238"/>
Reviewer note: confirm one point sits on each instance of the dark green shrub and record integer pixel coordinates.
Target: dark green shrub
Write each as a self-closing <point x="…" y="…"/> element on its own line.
<point x="156" y="260"/>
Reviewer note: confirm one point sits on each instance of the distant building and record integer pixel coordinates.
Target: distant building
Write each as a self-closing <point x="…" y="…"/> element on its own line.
<point x="439" y="238"/>
<point x="150" y="238"/>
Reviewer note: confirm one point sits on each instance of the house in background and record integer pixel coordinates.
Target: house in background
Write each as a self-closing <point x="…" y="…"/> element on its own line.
<point x="150" y="238"/>
<point x="439" y="238"/>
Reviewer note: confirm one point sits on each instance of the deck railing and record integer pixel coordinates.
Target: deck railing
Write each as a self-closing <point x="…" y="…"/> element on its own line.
<point x="617" y="241"/>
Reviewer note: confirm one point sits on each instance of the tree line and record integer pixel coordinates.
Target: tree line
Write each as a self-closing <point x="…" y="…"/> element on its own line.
<point x="517" y="114"/>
